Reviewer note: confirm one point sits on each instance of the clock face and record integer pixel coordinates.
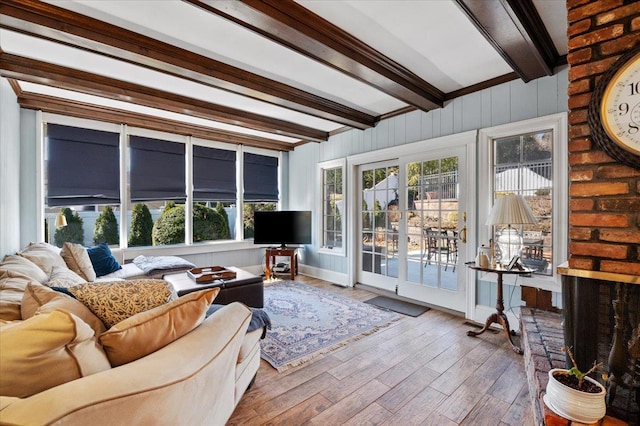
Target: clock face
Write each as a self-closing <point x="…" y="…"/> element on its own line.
<point x="620" y="107"/>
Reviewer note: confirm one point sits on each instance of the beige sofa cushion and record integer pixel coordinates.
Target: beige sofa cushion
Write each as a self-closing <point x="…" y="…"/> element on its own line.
<point x="77" y="259"/>
<point x="113" y="302"/>
<point x="12" y="289"/>
<point x="44" y="255"/>
<point x="21" y="266"/>
<point x="146" y="332"/>
<point x="64" y="277"/>
<point x="45" y="351"/>
<point x="39" y="299"/>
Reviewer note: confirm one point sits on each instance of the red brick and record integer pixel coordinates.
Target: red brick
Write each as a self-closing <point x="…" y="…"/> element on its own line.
<point x="581" y="175"/>
<point x="619" y="13"/>
<point x="599" y="220"/>
<point x="591" y="68"/>
<point x="578" y="27"/>
<point x="627" y="268"/>
<point x="580" y="56"/>
<point x="591" y="157"/>
<point x="581" y="263"/>
<point x="579" y="86"/>
<point x="617" y="171"/>
<point x="577" y="117"/>
<point x="579" y="101"/>
<point x="591" y="8"/>
<point x="598" y="188"/>
<point x="635" y="24"/>
<point x="619" y="45"/>
<point x="578" y="204"/>
<point x="597" y="36"/>
<point x="610" y="251"/>
<point x="576" y="131"/>
<point x="579" y="144"/>
<point x="584" y="234"/>
<point x="629" y="204"/>
<point x="620" y="235"/>
<point x="571" y="4"/>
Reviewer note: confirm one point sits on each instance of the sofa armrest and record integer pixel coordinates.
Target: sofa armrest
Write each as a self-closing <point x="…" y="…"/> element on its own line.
<point x="190" y="381"/>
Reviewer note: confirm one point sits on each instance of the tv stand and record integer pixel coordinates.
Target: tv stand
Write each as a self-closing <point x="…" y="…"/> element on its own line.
<point x="270" y="257"/>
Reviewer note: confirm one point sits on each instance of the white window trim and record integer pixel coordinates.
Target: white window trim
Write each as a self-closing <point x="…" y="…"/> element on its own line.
<point x="336" y="251"/>
<point x="558" y="124"/>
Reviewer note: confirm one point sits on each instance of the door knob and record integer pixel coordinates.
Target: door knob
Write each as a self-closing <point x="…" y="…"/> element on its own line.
<point x="463" y="234"/>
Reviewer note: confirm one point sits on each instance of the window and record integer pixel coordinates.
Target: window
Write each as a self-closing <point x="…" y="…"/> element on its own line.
<point x="522" y="165"/>
<point x="260" y="180"/>
<point x="331" y="174"/>
<point x="82" y="168"/>
<point x="528" y="158"/>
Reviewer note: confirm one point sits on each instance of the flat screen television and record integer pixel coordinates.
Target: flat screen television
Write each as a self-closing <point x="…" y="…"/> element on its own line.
<point x="282" y="227"/>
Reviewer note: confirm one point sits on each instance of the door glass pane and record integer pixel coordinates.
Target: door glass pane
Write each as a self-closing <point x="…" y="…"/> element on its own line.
<point x="432" y="223"/>
<point x="380" y="218"/>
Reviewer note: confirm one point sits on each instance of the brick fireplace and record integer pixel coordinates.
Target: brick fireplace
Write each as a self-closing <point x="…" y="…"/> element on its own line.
<point x="601" y="281"/>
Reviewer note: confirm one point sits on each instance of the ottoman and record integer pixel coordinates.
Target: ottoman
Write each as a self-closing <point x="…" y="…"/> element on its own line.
<point x="246" y="287"/>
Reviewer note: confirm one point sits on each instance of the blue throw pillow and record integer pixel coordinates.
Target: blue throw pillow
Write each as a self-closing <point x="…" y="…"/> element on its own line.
<point x="102" y="260"/>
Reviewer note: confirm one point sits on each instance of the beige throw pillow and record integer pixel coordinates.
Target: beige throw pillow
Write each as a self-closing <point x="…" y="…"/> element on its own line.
<point x="149" y="331"/>
<point x="113" y="302"/>
<point x="77" y="259"/>
<point x="21" y="266"/>
<point x="39" y="299"/>
<point x="64" y="277"/>
<point x="44" y="255"/>
<point x="46" y="351"/>
<point x="11" y="291"/>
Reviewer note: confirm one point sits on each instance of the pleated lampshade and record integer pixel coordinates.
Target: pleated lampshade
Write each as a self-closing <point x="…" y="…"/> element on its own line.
<point x="511" y="209"/>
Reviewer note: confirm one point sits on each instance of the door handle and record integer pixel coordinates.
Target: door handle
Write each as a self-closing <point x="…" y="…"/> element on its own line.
<point x="463" y="234"/>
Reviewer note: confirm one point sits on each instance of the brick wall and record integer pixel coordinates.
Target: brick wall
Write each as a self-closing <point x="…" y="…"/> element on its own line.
<point x="604" y="196"/>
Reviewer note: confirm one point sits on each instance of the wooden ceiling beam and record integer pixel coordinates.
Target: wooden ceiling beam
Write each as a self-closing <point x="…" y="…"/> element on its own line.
<point x="514" y="28"/>
<point x="39" y="72"/>
<point x="55" y="105"/>
<point x="48" y="21"/>
<point x="295" y="27"/>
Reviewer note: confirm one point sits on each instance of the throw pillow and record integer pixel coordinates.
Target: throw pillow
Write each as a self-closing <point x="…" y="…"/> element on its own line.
<point x="77" y="259"/>
<point x="46" y="351"/>
<point x="39" y="299"/>
<point x="44" y="255"/>
<point x="113" y="302"/>
<point x="11" y="291"/>
<point x="102" y="260"/>
<point x="64" y="277"/>
<point x="149" y="331"/>
<point x="21" y="266"/>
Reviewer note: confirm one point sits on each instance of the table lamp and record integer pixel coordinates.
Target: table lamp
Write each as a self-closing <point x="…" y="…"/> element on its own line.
<point x="510" y="209"/>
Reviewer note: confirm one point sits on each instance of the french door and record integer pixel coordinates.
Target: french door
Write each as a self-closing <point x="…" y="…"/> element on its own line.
<point x="435" y="228"/>
<point x="412" y="227"/>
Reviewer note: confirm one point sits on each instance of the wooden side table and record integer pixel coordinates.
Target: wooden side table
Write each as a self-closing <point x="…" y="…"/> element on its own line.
<point x="271" y="254"/>
<point x="499" y="317"/>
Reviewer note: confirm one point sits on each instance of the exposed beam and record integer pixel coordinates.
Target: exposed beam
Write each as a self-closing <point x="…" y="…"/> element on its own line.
<point x="293" y="26"/>
<point x="34" y="71"/>
<point x="515" y="30"/>
<point x="57" y="105"/>
<point x="54" y="23"/>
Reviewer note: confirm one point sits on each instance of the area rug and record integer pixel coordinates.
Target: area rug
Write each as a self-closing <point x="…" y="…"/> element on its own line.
<point x="307" y="322"/>
<point x="399" y="306"/>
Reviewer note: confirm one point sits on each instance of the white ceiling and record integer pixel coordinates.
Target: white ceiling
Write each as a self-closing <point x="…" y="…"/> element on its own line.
<point x="433" y="39"/>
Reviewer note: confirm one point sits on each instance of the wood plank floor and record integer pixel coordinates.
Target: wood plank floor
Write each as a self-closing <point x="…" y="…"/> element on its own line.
<point x="417" y="371"/>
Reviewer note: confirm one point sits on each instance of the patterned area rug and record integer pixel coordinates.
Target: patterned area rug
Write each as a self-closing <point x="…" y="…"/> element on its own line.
<point x="308" y="322"/>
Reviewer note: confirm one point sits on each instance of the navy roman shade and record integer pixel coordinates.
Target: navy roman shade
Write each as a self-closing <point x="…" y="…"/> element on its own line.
<point x="83" y="166"/>
<point x="260" y="178"/>
<point x="157" y="170"/>
<point x="214" y="174"/>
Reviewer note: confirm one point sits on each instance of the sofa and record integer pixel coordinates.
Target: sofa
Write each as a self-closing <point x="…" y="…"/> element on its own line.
<point x="149" y="357"/>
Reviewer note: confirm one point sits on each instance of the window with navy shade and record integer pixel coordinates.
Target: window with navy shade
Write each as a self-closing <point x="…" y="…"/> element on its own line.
<point x="83" y="166"/>
<point x="214" y="174"/>
<point x="157" y="170"/>
<point x="260" y="178"/>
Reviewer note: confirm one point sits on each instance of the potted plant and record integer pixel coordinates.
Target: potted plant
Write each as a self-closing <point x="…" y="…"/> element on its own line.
<point x="575" y="396"/>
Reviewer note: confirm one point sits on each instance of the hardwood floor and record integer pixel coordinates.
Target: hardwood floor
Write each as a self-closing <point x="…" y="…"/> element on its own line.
<point x="417" y="371"/>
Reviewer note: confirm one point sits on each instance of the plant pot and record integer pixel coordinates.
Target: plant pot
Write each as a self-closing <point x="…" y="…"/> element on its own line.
<point x="572" y="404"/>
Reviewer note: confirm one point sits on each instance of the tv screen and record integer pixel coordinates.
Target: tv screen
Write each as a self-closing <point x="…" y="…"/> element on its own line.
<point x="282" y="227"/>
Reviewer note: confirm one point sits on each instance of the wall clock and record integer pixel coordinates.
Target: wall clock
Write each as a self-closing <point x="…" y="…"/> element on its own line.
<point x="614" y="110"/>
